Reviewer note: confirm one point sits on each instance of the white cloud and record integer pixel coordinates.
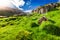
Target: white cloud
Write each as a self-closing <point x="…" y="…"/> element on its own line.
<point x="28" y="11"/>
<point x="59" y="0"/>
<point x="28" y="3"/>
<point x="21" y="9"/>
<point x="12" y="3"/>
<point x="30" y="6"/>
<point x="5" y="2"/>
<point x="18" y="3"/>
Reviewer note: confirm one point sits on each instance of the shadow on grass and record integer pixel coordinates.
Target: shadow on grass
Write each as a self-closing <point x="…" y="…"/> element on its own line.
<point x="52" y="21"/>
<point x="52" y="29"/>
<point x="34" y="25"/>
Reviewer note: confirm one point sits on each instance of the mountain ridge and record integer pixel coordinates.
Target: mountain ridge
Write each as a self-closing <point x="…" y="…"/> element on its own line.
<point x="7" y="11"/>
<point x="46" y="8"/>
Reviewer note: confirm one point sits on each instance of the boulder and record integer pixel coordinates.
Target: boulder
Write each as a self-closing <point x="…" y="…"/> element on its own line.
<point x="42" y="19"/>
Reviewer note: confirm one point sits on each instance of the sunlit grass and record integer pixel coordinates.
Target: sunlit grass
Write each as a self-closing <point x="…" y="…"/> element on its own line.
<point x="27" y="28"/>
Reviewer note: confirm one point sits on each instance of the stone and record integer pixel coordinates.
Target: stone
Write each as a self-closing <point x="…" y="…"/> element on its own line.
<point x="42" y="19"/>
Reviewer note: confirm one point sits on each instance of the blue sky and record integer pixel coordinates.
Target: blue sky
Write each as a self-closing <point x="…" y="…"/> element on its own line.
<point x="25" y="5"/>
<point x="32" y="4"/>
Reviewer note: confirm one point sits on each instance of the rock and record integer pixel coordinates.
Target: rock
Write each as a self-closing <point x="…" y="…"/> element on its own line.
<point x="42" y="19"/>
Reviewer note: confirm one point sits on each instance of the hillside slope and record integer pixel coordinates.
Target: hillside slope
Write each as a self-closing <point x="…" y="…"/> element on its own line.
<point x="27" y="28"/>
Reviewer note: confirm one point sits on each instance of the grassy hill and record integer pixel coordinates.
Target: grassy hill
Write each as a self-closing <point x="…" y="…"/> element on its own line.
<point x="27" y="28"/>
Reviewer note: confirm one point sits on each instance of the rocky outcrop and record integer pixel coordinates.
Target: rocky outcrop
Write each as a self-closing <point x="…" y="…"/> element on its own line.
<point x="46" y="8"/>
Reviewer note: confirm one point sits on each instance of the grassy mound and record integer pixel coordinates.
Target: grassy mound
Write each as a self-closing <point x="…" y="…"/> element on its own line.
<point x="27" y="27"/>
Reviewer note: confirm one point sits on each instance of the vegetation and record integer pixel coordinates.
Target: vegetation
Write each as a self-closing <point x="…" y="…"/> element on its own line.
<point x="27" y="27"/>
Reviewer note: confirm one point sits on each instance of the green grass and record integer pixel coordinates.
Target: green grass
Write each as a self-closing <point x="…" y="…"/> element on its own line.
<point x="27" y="28"/>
